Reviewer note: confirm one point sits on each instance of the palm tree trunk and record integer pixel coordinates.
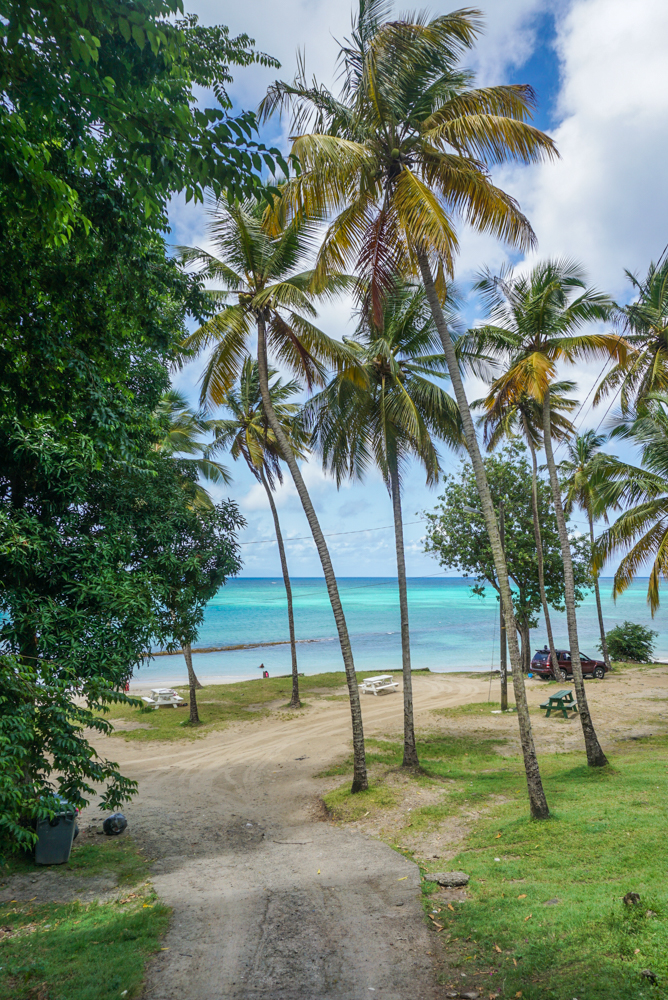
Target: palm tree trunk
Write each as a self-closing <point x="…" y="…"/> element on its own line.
<point x="537" y="801"/>
<point x="410" y="751"/>
<point x="294" y="700"/>
<point x="360" y="781"/>
<point x="193" y="683"/>
<point x="595" y="755"/>
<point x="558" y="673"/>
<point x="604" y="641"/>
<point x="503" y="642"/>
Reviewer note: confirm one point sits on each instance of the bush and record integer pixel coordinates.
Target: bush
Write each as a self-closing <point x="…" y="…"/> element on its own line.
<point x="631" y="642"/>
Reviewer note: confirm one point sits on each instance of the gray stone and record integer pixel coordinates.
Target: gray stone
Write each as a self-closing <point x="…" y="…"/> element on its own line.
<point x="448" y="879"/>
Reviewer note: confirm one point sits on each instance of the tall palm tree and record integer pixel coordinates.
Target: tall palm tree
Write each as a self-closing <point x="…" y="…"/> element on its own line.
<point x="579" y="473"/>
<point x="386" y="418"/>
<point x="262" y="290"/>
<point x="642" y="529"/>
<point x="181" y="439"/>
<point x="536" y="321"/>
<point x="524" y="415"/>
<point x="246" y="433"/>
<point x="645" y="325"/>
<point x="394" y="158"/>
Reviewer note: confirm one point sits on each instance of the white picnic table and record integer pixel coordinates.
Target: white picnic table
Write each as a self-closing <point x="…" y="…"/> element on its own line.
<point x="383" y="682"/>
<point x="163" y="697"/>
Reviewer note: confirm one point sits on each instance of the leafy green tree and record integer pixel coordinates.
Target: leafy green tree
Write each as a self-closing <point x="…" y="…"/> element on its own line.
<point x="389" y="412"/>
<point x="523" y="415"/>
<point x="630" y="642"/>
<point x="246" y="433"/>
<point x="536" y="321"/>
<point x="95" y="570"/>
<point x="579" y="472"/>
<point x="395" y="160"/>
<point x="277" y="300"/>
<point x="641" y="531"/>
<point x="644" y="324"/>
<point x="106" y="88"/>
<point x="458" y="539"/>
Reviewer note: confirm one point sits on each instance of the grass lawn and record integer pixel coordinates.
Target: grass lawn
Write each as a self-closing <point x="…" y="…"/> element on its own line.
<point x="220" y="704"/>
<point x="75" y="951"/>
<point x="544" y="915"/>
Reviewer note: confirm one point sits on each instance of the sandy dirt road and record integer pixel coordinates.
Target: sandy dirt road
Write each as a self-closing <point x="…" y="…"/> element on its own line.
<point x="270" y="901"/>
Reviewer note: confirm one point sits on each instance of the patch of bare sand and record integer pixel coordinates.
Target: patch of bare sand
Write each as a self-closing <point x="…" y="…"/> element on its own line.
<point x="270" y="903"/>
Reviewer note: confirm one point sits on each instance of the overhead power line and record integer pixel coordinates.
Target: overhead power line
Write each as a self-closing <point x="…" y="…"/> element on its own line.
<point x="331" y="534"/>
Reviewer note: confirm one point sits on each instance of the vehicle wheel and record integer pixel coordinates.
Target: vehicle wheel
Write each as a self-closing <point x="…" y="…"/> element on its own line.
<point x="599" y="673"/>
<point x="560" y="675"/>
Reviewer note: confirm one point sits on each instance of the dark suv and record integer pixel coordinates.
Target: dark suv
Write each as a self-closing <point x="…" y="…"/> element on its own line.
<point x="541" y="666"/>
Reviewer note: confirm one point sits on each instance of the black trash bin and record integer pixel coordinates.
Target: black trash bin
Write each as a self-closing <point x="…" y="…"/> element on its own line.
<point x="55" y="836"/>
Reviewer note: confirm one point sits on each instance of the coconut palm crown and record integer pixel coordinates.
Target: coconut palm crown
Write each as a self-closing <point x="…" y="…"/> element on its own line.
<point x="404" y="149"/>
<point x="641" y="531"/>
<point x="644" y="324"/>
<point x="260" y="277"/>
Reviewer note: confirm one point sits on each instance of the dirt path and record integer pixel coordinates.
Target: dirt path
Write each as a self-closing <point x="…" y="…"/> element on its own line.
<point x="271" y="902"/>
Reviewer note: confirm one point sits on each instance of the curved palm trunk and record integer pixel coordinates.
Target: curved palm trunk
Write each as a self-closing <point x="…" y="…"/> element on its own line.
<point x="604" y="641"/>
<point x="539" y="553"/>
<point x="537" y="800"/>
<point x="503" y="642"/>
<point x="294" y="700"/>
<point x="360" y="781"/>
<point x="595" y="755"/>
<point x="410" y="751"/>
<point x="193" y="684"/>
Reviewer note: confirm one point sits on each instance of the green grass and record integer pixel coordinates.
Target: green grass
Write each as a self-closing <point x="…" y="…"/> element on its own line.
<point x="606" y="837"/>
<point x="220" y="704"/>
<point x="75" y="951"/>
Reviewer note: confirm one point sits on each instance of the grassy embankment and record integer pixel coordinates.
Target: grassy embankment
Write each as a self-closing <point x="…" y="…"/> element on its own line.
<point x="219" y="704"/>
<point x="77" y="951"/>
<point x="544" y="915"/>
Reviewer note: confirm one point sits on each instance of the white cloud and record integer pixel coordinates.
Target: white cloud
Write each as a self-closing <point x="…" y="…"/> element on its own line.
<point x="605" y="201"/>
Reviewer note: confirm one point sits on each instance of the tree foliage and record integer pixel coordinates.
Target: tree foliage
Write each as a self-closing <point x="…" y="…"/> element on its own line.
<point x="458" y="539"/>
<point x="106" y="87"/>
<point x="631" y="642"/>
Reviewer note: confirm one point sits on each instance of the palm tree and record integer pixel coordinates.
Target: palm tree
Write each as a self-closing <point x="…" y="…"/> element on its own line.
<point x="400" y="153"/>
<point x="387" y="418"/>
<point x="247" y="435"/>
<point x="536" y="322"/>
<point x="181" y="439"/>
<point x="642" y="530"/>
<point x="523" y="415"/>
<point x="585" y="465"/>
<point x="263" y="291"/>
<point x="645" y="325"/>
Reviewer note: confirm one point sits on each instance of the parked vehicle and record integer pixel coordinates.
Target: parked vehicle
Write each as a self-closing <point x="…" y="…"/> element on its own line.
<point x="541" y="666"/>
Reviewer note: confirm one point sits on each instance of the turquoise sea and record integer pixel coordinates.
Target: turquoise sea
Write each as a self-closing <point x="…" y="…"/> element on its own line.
<point x="450" y="629"/>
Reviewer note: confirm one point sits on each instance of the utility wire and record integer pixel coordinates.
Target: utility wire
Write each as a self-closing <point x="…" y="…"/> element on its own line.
<point x="331" y="534"/>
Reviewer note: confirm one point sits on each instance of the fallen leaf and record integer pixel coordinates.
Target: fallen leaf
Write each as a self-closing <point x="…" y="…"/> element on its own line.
<point x="637" y="951"/>
<point x="318" y="871"/>
<point x="497" y="948"/>
<point x="528" y="918"/>
<point x="451" y="907"/>
<point x="148" y="906"/>
<point x="33" y="899"/>
<point x="523" y="896"/>
<point x="519" y="993"/>
<point x="497" y="836"/>
<point x="514" y="963"/>
<point x="164" y="949"/>
<point x="403" y="878"/>
<point x="366" y="814"/>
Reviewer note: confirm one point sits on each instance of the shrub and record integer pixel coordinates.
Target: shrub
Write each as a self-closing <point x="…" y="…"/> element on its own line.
<point x="631" y="642"/>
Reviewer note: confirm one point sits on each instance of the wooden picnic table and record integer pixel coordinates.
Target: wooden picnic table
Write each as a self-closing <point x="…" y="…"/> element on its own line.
<point x="383" y="682"/>
<point x="562" y="701"/>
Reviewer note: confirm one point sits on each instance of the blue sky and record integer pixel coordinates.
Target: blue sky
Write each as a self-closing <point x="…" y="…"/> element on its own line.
<point x="600" y="73"/>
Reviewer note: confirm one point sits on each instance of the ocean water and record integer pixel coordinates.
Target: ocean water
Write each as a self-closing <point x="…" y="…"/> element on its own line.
<point x="450" y="629"/>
